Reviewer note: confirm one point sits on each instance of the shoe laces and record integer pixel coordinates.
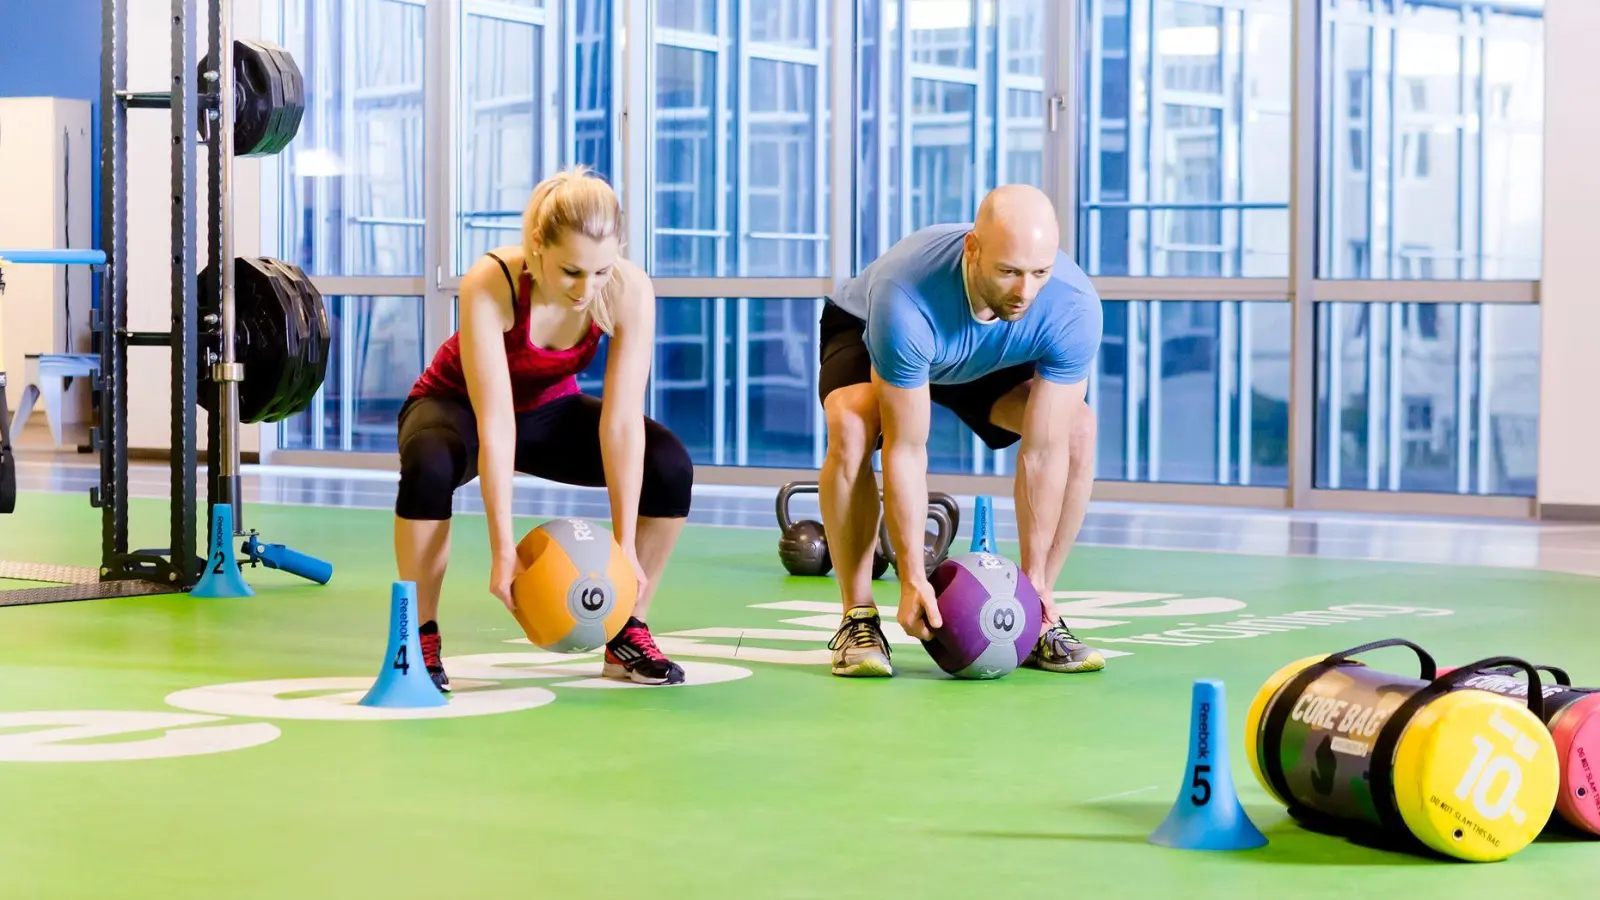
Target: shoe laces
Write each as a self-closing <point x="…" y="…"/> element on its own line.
<point x="1061" y="638"/>
<point x="640" y="637"/>
<point x="430" y="649"/>
<point x="860" y="634"/>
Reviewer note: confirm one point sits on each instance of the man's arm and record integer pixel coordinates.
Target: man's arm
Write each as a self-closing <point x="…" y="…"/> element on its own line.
<point x="901" y="342"/>
<point x="1041" y="483"/>
<point x="906" y="413"/>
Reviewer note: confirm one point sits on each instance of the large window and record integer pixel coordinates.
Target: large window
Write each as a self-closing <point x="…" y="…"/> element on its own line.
<point x="376" y="354"/>
<point x="1428" y="397"/>
<point x="1184" y="162"/>
<point x="1194" y="391"/>
<point x="765" y="150"/>
<point x="1431" y="140"/>
<point x="948" y="106"/>
<point x="349" y="194"/>
<point x="739" y="119"/>
<point x="536" y="92"/>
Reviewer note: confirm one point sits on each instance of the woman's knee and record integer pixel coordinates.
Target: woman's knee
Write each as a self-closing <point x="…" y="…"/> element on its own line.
<point x="668" y="487"/>
<point x="432" y="463"/>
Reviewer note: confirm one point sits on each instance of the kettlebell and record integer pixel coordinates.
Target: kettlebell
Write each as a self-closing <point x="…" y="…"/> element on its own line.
<point x="883" y="556"/>
<point x="803" y="546"/>
<point x="953" y="513"/>
<point x="936" y="543"/>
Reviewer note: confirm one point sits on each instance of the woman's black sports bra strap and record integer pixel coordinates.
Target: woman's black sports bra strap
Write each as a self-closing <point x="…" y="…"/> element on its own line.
<point x="509" y="280"/>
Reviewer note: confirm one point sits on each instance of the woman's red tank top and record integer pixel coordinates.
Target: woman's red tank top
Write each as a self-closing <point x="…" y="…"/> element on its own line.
<point x="538" y="376"/>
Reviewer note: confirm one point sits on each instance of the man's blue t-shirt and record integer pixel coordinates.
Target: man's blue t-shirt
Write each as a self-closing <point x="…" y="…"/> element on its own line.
<point x="921" y="328"/>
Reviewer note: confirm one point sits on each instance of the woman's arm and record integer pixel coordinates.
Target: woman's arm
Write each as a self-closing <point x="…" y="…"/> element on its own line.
<point x="622" y="410"/>
<point x="486" y="314"/>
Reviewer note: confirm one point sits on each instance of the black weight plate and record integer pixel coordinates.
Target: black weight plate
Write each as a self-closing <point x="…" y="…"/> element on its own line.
<point x="297" y="370"/>
<point x="275" y="61"/>
<point x="294" y="97"/>
<point x="298" y="397"/>
<point x="258" y="99"/>
<point x="310" y="343"/>
<point x="254" y="84"/>
<point x="321" y="330"/>
<point x="264" y="339"/>
<point x="205" y="388"/>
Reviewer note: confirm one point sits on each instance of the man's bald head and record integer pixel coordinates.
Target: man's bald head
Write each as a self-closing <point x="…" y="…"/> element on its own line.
<point x="1012" y="249"/>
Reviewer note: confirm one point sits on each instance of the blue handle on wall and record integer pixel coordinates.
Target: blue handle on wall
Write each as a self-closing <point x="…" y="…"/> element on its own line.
<point x="55" y="257"/>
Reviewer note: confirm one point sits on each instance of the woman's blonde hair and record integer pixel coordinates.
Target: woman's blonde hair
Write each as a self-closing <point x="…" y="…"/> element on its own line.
<point x="576" y="200"/>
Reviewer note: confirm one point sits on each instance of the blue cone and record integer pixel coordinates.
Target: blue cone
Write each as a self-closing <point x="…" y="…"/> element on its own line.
<point x="983" y="527"/>
<point x="221" y="577"/>
<point x="403" y="680"/>
<point x="1207" y="814"/>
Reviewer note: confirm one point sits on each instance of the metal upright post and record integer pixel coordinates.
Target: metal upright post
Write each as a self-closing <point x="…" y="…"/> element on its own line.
<point x="185" y="121"/>
<point x="112" y="439"/>
<point x="223" y="474"/>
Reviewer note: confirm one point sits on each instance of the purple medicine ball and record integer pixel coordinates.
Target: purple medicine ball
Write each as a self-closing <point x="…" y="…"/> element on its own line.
<point x="991" y="614"/>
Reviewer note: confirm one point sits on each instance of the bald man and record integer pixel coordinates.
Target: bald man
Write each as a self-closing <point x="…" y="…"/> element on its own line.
<point x="992" y="321"/>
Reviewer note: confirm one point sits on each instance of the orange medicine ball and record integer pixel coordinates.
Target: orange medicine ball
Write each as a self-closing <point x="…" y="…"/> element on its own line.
<point x="578" y="589"/>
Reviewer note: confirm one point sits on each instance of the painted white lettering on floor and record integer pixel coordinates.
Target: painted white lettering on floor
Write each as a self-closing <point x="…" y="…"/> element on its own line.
<point x="183" y="735"/>
<point x="338" y="699"/>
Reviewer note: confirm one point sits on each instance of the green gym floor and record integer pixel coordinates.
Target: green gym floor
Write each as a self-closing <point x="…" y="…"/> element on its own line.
<point x="171" y="746"/>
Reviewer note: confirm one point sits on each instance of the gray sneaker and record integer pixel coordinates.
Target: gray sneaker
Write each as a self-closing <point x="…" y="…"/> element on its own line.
<point x="859" y="647"/>
<point x="1059" y="650"/>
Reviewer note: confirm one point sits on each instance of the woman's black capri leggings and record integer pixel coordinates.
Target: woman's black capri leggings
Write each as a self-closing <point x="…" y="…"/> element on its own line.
<point x="558" y="441"/>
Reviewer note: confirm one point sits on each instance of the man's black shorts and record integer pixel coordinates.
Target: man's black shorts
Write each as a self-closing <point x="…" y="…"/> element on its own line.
<point x="845" y="362"/>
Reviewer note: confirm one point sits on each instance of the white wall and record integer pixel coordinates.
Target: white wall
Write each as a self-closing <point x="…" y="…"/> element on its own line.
<point x="1569" y="414"/>
<point x="47" y="172"/>
<point x="149" y="224"/>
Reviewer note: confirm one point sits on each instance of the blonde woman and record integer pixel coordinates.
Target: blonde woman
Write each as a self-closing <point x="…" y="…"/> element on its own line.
<point x="501" y="396"/>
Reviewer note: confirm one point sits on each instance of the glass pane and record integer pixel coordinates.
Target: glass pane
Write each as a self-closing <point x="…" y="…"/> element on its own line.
<point x="376" y="356"/>
<point x="942" y="32"/>
<point x="500" y="131"/>
<point x="687" y="15"/>
<point x="351" y="190"/>
<point x="739" y="173"/>
<point x="511" y="96"/>
<point x="1194" y="391"/>
<point x="973" y="112"/>
<point x="735" y="379"/>
<point x="1185" y="160"/>
<point x="1428" y="397"/>
<point x="791" y="24"/>
<point x="1433" y="136"/>
<point x="594" y="63"/>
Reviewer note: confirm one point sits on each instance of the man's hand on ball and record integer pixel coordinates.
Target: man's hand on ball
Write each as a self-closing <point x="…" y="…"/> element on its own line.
<point x="1046" y="594"/>
<point x="919" y="610"/>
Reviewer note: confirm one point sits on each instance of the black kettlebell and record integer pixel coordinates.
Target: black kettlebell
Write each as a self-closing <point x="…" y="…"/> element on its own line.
<point x="803" y="546"/>
<point x="953" y="513"/>
<point x="936" y="543"/>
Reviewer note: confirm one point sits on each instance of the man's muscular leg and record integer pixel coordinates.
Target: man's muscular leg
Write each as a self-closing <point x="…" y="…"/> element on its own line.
<point x="1082" y="438"/>
<point x="1058" y="649"/>
<point x="848" y="490"/>
<point x="848" y="493"/>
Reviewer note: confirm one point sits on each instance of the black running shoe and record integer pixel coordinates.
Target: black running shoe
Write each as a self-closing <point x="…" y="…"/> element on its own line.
<point x="633" y="656"/>
<point x="428" y="636"/>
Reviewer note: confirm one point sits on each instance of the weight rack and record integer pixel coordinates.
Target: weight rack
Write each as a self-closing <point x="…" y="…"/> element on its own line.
<point x="124" y="572"/>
